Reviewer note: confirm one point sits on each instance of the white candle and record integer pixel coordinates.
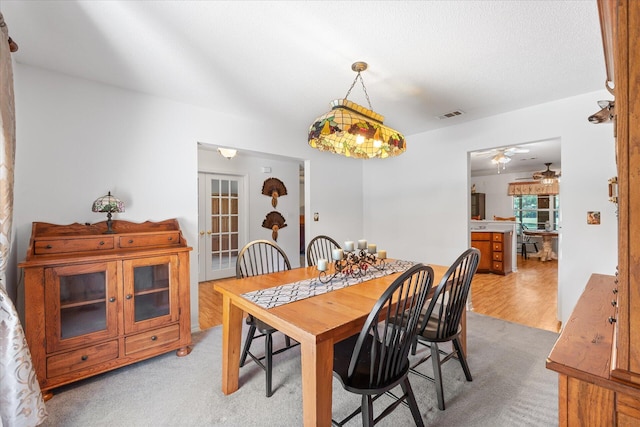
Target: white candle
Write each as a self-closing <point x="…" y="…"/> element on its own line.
<point x="337" y="254"/>
<point x="382" y="254"/>
<point x="348" y="246"/>
<point x="322" y="264"/>
<point x="372" y="248"/>
<point x="362" y="244"/>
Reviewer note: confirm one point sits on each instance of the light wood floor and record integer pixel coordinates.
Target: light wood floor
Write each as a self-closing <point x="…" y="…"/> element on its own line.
<point x="528" y="297"/>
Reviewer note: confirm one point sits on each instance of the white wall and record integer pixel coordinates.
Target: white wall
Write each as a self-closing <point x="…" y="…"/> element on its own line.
<point x="417" y="205"/>
<point x="77" y="139"/>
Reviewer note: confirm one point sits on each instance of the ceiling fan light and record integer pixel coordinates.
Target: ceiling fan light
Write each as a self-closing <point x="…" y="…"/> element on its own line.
<point x="500" y="158"/>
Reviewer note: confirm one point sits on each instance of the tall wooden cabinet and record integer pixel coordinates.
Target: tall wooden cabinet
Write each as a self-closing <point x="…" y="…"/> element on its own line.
<point x="477" y="206"/>
<point x="96" y="301"/>
<point x="598" y="353"/>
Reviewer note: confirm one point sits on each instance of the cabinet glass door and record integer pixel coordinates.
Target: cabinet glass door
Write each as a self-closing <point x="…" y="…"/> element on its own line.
<point x="81" y="304"/>
<point x="151" y="292"/>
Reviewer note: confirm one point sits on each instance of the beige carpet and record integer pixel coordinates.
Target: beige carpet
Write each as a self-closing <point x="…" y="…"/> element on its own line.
<point x="510" y="387"/>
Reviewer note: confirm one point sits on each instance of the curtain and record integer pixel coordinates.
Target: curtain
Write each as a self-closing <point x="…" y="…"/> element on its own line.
<point x="21" y="402"/>
<point x="533" y="188"/>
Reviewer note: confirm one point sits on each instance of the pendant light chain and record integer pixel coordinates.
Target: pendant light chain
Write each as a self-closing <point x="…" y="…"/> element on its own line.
<point x="363" y="88"/>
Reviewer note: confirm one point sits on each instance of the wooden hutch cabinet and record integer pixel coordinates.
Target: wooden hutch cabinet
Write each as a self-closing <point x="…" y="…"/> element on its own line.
<point x="96" y="301"/>
<point x="598" y="353"/>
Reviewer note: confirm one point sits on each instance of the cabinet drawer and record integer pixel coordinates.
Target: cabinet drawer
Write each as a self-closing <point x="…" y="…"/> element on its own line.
<point x="59" y="246"/>
<point x="138" y="241"/>
<point x="151" y="339"/>
<point x="83" y="358"/>
<point x="497" y="256"/>
<point x="497" y="237"/>
<point x="480" y="236"/>
<point x="497" y="247"/>
<point x="498" y="266"/>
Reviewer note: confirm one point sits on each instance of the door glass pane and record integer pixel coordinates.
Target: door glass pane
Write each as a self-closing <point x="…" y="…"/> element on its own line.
<point x="151" y="289"/>
<point x="224" y="224"/>
<point x="83" y="304"/>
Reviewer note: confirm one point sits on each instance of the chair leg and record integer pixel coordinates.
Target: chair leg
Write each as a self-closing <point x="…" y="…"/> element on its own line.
<point x="247" y="344"/>
<point x="268" y="354"/>
<point x="524" y="251"/>
<point x="437" y="375"/>
<point x="462" y="359"/>
<point x="367" y="411"/>
<point x="411" y="400"/>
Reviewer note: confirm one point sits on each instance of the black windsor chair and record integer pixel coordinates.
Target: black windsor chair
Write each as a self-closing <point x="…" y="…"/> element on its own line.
<point x="377" y="359"/>
<point x="257" y="258"/>
<point x="320" y="247"/>
<point x="440" y="322"/>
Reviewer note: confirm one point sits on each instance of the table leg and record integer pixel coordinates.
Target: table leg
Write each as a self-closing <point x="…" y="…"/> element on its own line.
<point x="231" y="337"/>
<point x="547" y="249"/>
<point x="317" y="378"/>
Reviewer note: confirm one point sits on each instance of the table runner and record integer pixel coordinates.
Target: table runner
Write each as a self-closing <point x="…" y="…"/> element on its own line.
<point x="283" y="294"/>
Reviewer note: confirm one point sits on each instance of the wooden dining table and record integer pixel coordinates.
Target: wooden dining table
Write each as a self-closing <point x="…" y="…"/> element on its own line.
<point x="317" y="323"/>
<point x="546" y="253"/>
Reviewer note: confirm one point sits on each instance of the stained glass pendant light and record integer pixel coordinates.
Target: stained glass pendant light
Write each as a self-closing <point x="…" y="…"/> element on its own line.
<point x="352" y="130"/>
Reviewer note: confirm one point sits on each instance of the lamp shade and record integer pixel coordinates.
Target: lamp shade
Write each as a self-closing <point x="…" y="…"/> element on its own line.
<point x="107" y="203"/>
<point x="352" y="130"/>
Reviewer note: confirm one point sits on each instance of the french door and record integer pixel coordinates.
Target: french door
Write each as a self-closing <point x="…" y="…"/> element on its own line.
<point x="220" y="222"/>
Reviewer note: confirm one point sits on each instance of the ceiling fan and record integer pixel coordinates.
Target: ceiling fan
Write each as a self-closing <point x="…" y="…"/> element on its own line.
<point x="547" y="176"/>
<point x="502" y="156"/>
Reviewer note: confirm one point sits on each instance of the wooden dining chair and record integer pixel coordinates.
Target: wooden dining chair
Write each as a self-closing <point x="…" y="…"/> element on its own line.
<point x="376" y="360"/>
<point x="440" y="321"/>
<point x="257" y="258"/>
<point x="320" y="247"/>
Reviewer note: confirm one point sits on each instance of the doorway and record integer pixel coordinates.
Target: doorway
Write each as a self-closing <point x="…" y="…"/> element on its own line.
<point x="490" y="173"/>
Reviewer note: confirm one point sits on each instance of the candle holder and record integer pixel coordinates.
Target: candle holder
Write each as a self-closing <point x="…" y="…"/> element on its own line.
<point x="355" y="263"/>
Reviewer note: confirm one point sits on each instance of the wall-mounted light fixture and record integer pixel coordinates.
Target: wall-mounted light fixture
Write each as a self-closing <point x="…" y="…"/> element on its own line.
<point x="227" y="153"/>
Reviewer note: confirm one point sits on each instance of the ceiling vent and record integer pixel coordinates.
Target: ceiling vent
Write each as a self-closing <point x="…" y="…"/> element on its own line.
<point x="451" y="114"/>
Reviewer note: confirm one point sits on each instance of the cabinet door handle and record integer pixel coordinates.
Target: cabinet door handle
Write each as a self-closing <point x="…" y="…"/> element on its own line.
<point x="49" y="246"/>
<point x="84" y="357"/>
<point x="153" y="338"/>
<point x="130" y="240"/>
<point x="612" y="320"/>
<point x="615" y="290"/>
<point x="101" y="243"/>
<point x="129" y="296"/>
<point x="112" y="299"/>
<point x="614" y="303"/>
<point x="170" y="238"/>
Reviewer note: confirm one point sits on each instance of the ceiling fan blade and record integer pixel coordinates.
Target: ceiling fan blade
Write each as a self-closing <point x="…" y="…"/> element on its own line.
<point x="515" y="150"/>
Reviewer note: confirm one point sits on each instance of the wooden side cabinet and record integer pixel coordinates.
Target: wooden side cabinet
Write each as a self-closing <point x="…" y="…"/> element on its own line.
<point x="95" y="302"/>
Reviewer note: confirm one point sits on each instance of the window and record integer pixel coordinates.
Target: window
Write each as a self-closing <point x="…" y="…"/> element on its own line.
<point x="533" y="211"/>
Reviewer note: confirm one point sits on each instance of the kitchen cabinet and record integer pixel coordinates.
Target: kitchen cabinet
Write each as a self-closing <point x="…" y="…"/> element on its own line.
<point x="95" y="302"/>
<point x="495" y="251"/>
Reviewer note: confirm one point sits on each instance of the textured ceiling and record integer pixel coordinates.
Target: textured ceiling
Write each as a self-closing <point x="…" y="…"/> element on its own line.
<point x="271" y="60"/>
